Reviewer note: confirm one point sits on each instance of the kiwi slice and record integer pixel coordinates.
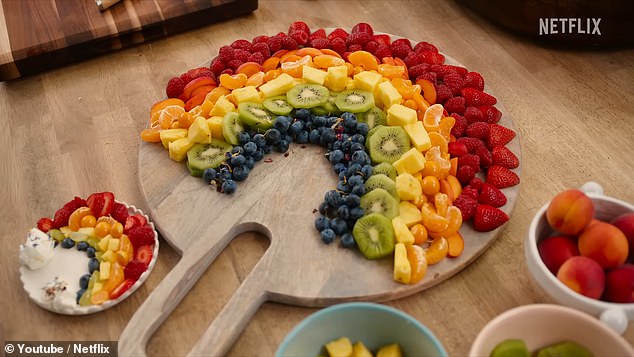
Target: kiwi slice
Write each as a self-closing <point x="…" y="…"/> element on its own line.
<point x="374" y="236"/>
<point x="373" y="117"/>
<point x="255" y="116"/>
<point x="388" y="143"/>
<point x="564" y="349"/>
<point x="202" y="156"/>
<point x="370" y="133"/>
<point x="277" y="105"/>
<point x="231" y="127"/>
<point x="380" y="201"/>
<point x="327" y="108"/>
<point x="381" y="181"/>
<point x="355" y="101"/>
<point x="386" y="169"/>
<point x="307" y="96"/>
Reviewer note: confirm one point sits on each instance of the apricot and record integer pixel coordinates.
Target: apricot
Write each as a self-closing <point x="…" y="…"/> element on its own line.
<point x="619" y="284"/>
<point x="625" y="223"/>
<point x="555" y="250"/>
<point x="604" y="243"/>
<point x="570" y="211"/>
<point x="583" y="275"/>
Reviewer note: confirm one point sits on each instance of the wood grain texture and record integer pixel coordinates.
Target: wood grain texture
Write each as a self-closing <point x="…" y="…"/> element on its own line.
<point x="75" y="131"/>
<point x="39" y="35"/>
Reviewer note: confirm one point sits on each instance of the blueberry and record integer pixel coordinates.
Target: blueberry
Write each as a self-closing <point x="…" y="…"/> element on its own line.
<point x="68" y="243"/>
<point x="259" y="140"/>
<point x="237" y="150"/>
<point x="343" y="187"/>
<point x="90" y="252"/>
<point x="342" y="174"/>
<point x="347" y="240"/>
<point x="356" y="213"/>
<point x="327" y="235"/>
<point x="338" y="225"/>
<point x="229" y="186"/>
<point x="322" y="223"/>
<point x="358" y="190"/>
<point x="287" y="137"/>
<point x="224" y="173"/>
<point x="358" y="138"/>
<point x="346" y="146"/>
<point x="267" y="149"/>
<point x="333" y="198"/>
<point x="273" y="136"/>
<point x="258" y="154"/>
<point x="340" y="167"/>
<point x="250" y="148"/>
<point x="343" y="212"/>
<point x="355" y="180"/>
<point x="296" y="127"/>
<point x="337" y="145"/>
<point x="79" y="294"/>
<point x="314" y="136"/>
<point x="282" y="146"/>
<point x="83" y="281"/>
<point x="323" y="208"/>
<point x="354" y="169"/>
<point x="303" y="114"/>
<point x="93" y="264"/>
<point x="360" y="157"/>
<point x="209" y="175"/>
<point x="320" y="121"/>
<point x="354" y="147"/>
<point x="250" y="163"/>
<point x="367" y="170"/>
<point x="82" y="246"/>
<point x="336" y="157"/>
<point x="302" y="137"/>
<point x="282" y="123"/>
<point x="244" y="137"/>
<point x="353" y="200"/>
<point x="240" y="173"/>
<point x="237" y="160"/>
<point x="349" y="119"/>
<point x="328" y="136"/>
<point x="362" y="128"/>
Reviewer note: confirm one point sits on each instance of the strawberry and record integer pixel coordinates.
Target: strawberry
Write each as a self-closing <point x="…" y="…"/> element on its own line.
<point x="95" y="202"/>
<point x="134" y="269"/>
<point x="472" y="143"/>
<point x="443" y="93"/>
<point x="174" y="87"/>
<point x="382" y="51"/>
<point x="141" y="235"/>
<point x="485" y="156"/>
<point x="502" y="177"/>
<point x="465" y="173"/>
<point x="477" y="97"/>
<point x="141" y="219"/>
<point x="382" y="39"/>
<point x="457" y="149"/>
<point x="461" y="71"/>
<point x="490" y="114"/>
<point x="412" y="60"/>
<point x="358" y="38"/>
<point x="415" y="70"/>
<point x="467" y="205"/>
<point x="432" y="57"/>
<point x="454" y="81"/>
<point x="499" y="135"/>
<point x="478" y="129"/>
<point x="474" y="80"/>
<point x="108" y="204"/>
<point x="504" y="157"/>
<point x="425" y="47"/>
<point x="455" y="105"/>
<point x="473" y="114"/>
<point x="196" y="73"/>
<point x="45" y="224"/>
<point x="61" y="216"/>
<point x="491" y="195"/>
<point x="120" y="213"/>
<point x="121" y="288"/>
<point x="363" y="27"/>
<point x="460" y="126"/>
<point x="488" y="218"/>
<point x="144" y="254"/>
<point x="130" y="223"/>
<point x="299" y="26"/>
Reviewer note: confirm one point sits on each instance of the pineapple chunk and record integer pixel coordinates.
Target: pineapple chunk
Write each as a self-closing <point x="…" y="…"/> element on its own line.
<point x="408" y="187"/>
<point x="222" y="107"/>
<point x="341" y="347"/>
<point x="367" y="80"/>
<point x="215" y="127"/>
<point x="66" y="231"/>
<point x="349" y="84"/>
<point x="401" y="115"/>
<point x="401" y="232"/>
<point x="418" y="136"/>
<point x="122" y="257"/>
<point x="246" y="94"/>
<point x="402" y="269"/>
<point x="169" y="135"/>
<point x="409" y="213"/>
<point x="97" y="286"/>
<point x="336" y="78"/>
<point x="104" y="271"/>
<point x="199" y="131"/>
<point x="388" y="94"/>
<point x="359" y="349"/>
<point x="109" y="256"/>
<point x="178" y="149"/>
<point x="393" y="350"/>
<point x="103" y="243"/>
<point x="277" y="86"/>
<point x="88" y="231"/>
<point x="313" y="75"/>
<point x="114" y="244"/>
<point x="412" y="161"/>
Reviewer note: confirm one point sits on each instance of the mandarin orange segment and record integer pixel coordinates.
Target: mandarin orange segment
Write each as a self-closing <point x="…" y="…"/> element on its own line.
<point x="99" y="297"/>
<point x="255" y="80"/>
<point x="419" y="201"/>
<point x="417" y="261"/>
<point x="280" y="53"/>
<point x="270" y="63"/>
<point x="431" y="169"/>
<point x="234" y="81"/>
<point x="437" y="250"/>
<point x="432" y="221"/>
<point x="410" y="103"/>
<point x="199" y="90"/>
<point x="364" y="59"/>
<point x="326" y="61"/>
<point x="74" y="221"/>
<point x="422" y="104"/>
<point x="453" y="181"/>
<point x="390" y="71"/>
<point x="311" y="51"/>
<point x="420" y="233"/>
<point x="160" y="105"/>
<point x="197" y="83"/>
<point x="432" y="116"/>
<point x="446" y="124"/>
<point x="169" y="115"/>
<point x="195" y="101"/>
<point x="456" y="245"/>
<point x="400" y="62"/>
<point x="216" y="93"/>
<point x="328" y="51"/>
<point x="151" y="135"/>
<point x="186" y="120"/>
<point x="290" y="56"/>
<point x="441" y="203"/>
<point x="272" y="74"/>
<point x="446" y="188"/>
<point x="438" y="140"/>
<point x="454" y="166"/>
<point x="388" y="60"/>
<point x="249" y="68"/>
<point x="428" y="89"/>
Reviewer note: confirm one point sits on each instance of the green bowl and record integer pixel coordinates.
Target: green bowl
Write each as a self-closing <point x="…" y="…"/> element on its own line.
<point x="373" y="324"/>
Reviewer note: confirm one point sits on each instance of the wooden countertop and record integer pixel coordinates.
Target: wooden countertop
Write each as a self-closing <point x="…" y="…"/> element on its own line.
<point x="75" y="130"/>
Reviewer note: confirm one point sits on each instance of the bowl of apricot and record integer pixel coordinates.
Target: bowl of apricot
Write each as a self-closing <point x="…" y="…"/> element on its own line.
<point x="580" y="250"/>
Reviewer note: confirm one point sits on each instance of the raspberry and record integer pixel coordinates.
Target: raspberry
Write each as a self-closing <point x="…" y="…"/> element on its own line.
<point x="61" y="216"/>
<point x="415" y="71"/>
<point x="141" y="235"/>
<point x="275" y="44"/>
<point x="476" y="183"/>
<point x="358" y="38"/>
<point x="228" y="71"/>
<point x="460" y="126"/>
<point x="403" y="41"/>
<point x="486" y="159"/>
<point x="174" y="87"/>
<point x="134" y="269"/>
<point x="371" y="46"/>
<point x="217" y="66"/>
<point x="454" y="82"/>
<point x="301" y="37"/>
<point x="242" y="44"/>
<point x="354" y="47"/>
<point x="119" y="212"/>
<point x="467" y="206"/>
<point x="299" y="26"/>
<point x="478" y="130"/>
<point x="471" y="191"/>
<point x="260" y="39"/>
<point x="457" y="149"/>
<point x="472" y="143"/>
<point x="225" y="53"/>
<point x="262" y="48"/>
<point x="319" y="43"/>
<point x="256" y="57"/>
<point x="338" y="32"/>
<point x="338" y="45"/>
<point x="443" y="93"/>
<point x="234" y="64"/>
<point x="383" y="51"/>
<point x="241" y="55"/>
<point x="425" y="47"/>
<point x="432" y="57"/>
<point x="382" y="39"/>
<point x="430" y="76"/>
<point x="413" y="59"/>
<point x="472" y="160"/>
<point x="288" y="43"/>
<point x="455" y="105"/>
<point x="400" y="49"/>
<point x="473" y="114"/>
<point x="321" y="33"/>
<point x="195" y="73"/>
<point x="474" y="80"/>
<point x="465" y="173"/>
<point x="490" y="113"/>
<point x="363" y="27"/>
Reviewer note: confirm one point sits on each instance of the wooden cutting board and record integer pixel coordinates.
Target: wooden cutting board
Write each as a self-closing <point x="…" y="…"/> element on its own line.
<point x="38" y="35"/>
<point x="280" y="200"/>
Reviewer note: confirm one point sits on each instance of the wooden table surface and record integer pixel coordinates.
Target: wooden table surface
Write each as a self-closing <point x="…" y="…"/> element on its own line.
<point x="75" y="130"/>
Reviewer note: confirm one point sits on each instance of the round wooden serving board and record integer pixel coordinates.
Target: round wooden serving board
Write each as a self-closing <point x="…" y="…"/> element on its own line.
<point x="280" y="200"/>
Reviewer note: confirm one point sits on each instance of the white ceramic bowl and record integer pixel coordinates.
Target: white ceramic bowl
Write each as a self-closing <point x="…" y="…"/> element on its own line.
<point x="540" y="325"/>
<point x="375" y="325"/>
<point x="616" y="315"/>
